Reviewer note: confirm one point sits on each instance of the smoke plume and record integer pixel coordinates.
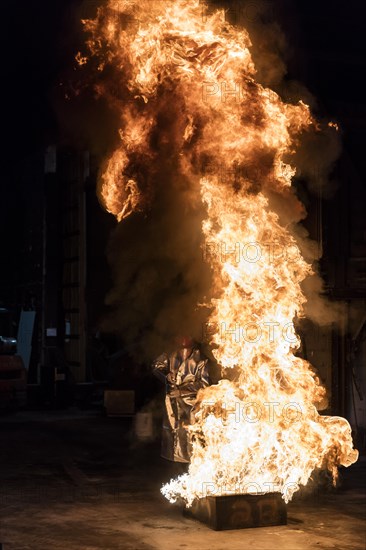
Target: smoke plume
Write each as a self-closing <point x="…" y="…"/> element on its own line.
<point x="161" y="279"/>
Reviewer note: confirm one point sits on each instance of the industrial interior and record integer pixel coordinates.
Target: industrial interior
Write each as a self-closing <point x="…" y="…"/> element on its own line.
<point x="183" y="281"/>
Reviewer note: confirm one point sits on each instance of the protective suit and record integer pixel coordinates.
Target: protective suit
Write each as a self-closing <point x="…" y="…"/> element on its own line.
<point x="184" y="372"/>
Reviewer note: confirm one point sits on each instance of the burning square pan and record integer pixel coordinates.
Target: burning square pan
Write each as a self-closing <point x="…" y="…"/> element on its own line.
<point x="239" y="511"/>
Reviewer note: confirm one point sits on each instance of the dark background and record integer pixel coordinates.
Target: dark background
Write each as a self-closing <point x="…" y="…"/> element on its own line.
<point x="40" y="39"/>
<point x="42" y="106"/>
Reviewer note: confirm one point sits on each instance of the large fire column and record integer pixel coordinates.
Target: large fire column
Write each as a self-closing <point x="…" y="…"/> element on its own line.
<point x="235" y="143"/>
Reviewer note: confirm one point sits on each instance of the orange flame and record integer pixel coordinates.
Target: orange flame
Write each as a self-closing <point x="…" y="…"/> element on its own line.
<point x="261" y="432"/>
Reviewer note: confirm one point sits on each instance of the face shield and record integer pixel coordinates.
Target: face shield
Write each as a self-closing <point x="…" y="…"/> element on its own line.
<point x="185" y="353"/>
<point x="185" y="346"/>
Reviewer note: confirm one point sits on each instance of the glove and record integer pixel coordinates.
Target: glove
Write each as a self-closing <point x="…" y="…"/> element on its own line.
<point x="174" y="393"/>
<point x="170" y="378"/>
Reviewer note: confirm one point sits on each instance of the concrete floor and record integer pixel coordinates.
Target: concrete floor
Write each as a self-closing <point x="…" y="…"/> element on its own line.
<point x="80" y="481"/>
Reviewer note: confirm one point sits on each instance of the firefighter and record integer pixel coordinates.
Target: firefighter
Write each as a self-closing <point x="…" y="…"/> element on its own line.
<point x="184" y="372"/>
